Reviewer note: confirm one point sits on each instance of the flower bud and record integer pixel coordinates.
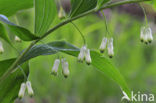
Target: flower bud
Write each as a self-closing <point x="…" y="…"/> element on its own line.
<point x="142" y="34"/>
<point x="81" y="55"/>
<point x="22" y="90"/>
<point x="29" y="88"/>
<point x="149" y="35"/>
<point x="55" y="67"/>
<point x="110" y="48"/>
<point x="1" y="48"/>
<point x="103" y="45"/>
<point x="61" y="13"/>
<point x="88" y="57"/>
<point x="65" y="68"/>
<point x="17" y="39"/>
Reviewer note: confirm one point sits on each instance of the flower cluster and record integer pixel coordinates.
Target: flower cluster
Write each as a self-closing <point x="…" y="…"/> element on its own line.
<point x="107" y="43"/>
<point x="23" y="87"/>
<point x="65" y="67"/>
<point x="84" y="55"/>
<point x="146" y="35"/>
<point x="1" y="48"/>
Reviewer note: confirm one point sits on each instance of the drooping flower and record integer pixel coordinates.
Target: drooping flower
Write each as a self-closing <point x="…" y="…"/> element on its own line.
<point x="17" y="39"/>
<point x="55" y="67"/>
<point x="142" y="34"/>
<point x="61" y="13"/>
<point x="81" y="55"/>
<point x="65" y="68"/>
<point x="29" y="88"/>
<point x="146" y="35"/>
<point x="22" y="90"/>
<point x="88" y="57"/>
<point x="110" y="48"/>
<point x="149" y="35"/>
<point x="1" y="48"/>
<point x="103" y="45"/>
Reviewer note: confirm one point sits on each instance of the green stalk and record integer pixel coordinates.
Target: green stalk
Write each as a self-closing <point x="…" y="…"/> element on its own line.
<point x="84" y="41"/>
<point x="17" y="61"/>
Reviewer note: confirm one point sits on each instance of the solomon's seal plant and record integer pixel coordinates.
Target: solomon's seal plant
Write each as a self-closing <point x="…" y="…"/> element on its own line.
<point x="17" y="69"/>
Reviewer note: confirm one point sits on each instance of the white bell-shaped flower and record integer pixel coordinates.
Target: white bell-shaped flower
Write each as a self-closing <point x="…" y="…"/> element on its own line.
<point x="103" y="45"/>
<point x="149" y="34"/>
<point x="65" y="68"/>
<point x="29" y="88"/>
<point x="22" y="90"/>
<point x="17" y="39"/>
<point x="55" y="67"/>
<point x="81" y="55"/>
<point x="88" y="57"/>
<point x="146" y="35"/>
<point x="110" y="48"/>
<point x="1" y="48"/>
<point x="142" y="34"/>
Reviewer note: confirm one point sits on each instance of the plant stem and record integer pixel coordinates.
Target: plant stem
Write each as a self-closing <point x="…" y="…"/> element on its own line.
<point x="17" y="61"/>
<point x="105" y="20"/>
<point x="84" y="41"/>
<point x="144" y="14"/>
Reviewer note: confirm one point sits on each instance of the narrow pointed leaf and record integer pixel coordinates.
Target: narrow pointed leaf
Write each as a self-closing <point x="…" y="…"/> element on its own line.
<point x="10" y="86"/>
<point x="98" y="61"/>
<point x="45" y="12"/>
<point x="3" y="33"/>
<point x="81" y="6"/>
<point x="21" y="32"/>
<point x="10" y="7"/>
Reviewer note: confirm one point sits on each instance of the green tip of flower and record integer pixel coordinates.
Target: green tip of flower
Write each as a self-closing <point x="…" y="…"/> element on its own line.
<point x="88" y="63"/>
<point x="20" y="97"/>
<point x="150" y="41"/>
<point x="31" y="95"/>
<point x="54" y="73"/>
<point x="110" y="56"/>
<point x="102" y="51"/>
<point x="142" y="40"/>
<point x="81" y="61"/>
<point x="146" y="43"/>
<point x="65" y="76"/>
<point x="1" y="52"/>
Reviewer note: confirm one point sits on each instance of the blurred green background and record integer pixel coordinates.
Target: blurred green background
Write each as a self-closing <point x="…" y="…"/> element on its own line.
<point x="135" y="60"/>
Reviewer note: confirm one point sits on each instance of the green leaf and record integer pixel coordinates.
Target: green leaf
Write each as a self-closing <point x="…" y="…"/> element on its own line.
<point x="98" y="60"/>
<point x="47" y="49"/>
<point x="21" y="32"/>
<point x="101" y="3"/>
<point x="10" y="7"/>
<point x="45" y="12"/>
<point x="3" y="33"/>
<point x="10" y="86"/>
<point x="80" y="6"/>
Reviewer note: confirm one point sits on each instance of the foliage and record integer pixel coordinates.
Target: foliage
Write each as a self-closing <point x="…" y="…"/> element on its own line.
<point x="45" y="13"/>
